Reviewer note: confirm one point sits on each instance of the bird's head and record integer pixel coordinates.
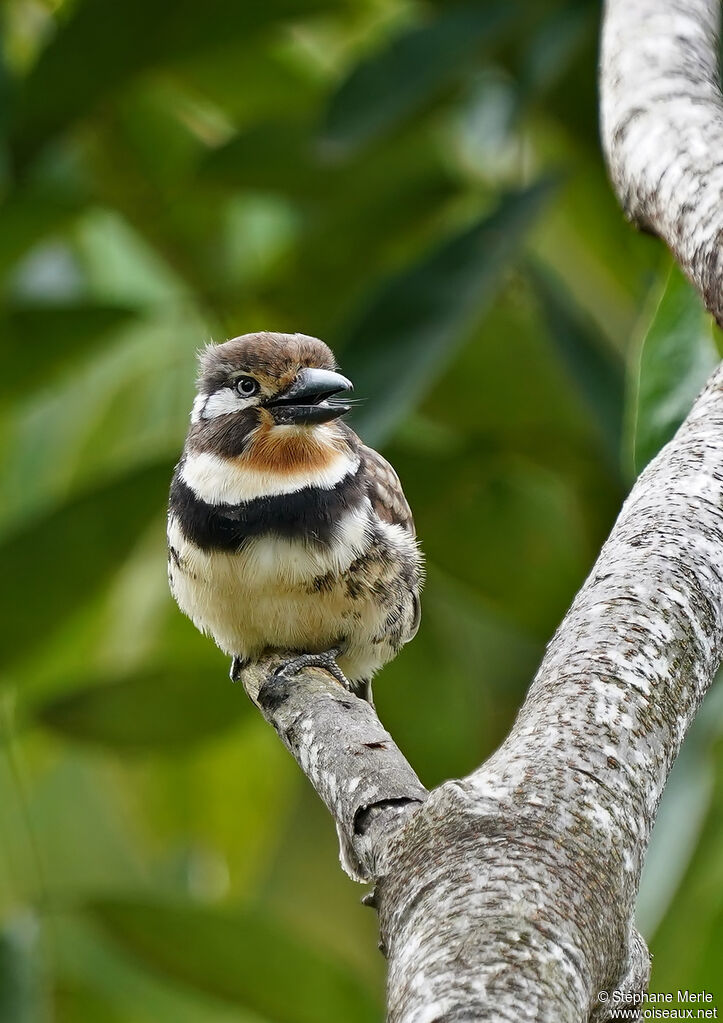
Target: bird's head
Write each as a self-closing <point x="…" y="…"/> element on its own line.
<point x="265" y="384"/>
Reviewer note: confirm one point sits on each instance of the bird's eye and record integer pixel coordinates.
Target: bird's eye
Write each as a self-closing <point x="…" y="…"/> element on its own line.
<point x="246" y="386"/>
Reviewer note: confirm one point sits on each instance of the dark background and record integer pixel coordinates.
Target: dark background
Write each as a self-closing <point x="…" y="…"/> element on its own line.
<point x="421" y="185"/>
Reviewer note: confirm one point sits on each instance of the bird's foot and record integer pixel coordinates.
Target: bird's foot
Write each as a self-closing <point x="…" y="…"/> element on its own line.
<point x="237" y="666"/>
<point x="325" y="660"/>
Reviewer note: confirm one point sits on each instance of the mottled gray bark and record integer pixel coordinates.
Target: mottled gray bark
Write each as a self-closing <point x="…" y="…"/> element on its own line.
<point x="509" y="895"/>
<point x="662" y="127"/>
<point x="350" y="759"/>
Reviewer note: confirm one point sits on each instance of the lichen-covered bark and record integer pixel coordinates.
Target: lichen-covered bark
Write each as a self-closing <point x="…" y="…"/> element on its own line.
<point x="349" y="758"/>
<point x="509" y="895"/>
<point x="662" y="127"/>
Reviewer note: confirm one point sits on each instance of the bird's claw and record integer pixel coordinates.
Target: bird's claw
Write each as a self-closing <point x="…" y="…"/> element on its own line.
<point x="325" y="660"/>
<point x="237" y="666"/>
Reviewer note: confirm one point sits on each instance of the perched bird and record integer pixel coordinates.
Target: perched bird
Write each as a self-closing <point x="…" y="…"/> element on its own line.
<point x="285" y="532"/>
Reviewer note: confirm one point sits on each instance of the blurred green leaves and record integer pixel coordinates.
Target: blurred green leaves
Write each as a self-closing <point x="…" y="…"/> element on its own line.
<point x="59" y="336"/>
<point x="151" y="711"/>
<point x="408" y="331"/>
<point x="33" y="212"/>
<point x="56" y="563"/>
<point x="405" y="74"/>
<point x="595" y="368"/>
<point x="102" y="45"/>
<point x="240" y="956"/>
<point x="22" y="998"/>
<point x="687" y="946"/>
<point x="676" y="356"/>
<point x="682" y="816"/>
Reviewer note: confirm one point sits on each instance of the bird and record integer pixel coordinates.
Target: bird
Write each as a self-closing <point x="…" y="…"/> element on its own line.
<point x="286" y="533"/>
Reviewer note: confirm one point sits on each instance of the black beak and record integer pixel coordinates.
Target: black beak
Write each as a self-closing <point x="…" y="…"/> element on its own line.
<point x="304" y="403"/>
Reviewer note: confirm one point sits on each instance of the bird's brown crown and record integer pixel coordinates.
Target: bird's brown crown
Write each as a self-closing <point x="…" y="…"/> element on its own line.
<point x="274" y="359"/>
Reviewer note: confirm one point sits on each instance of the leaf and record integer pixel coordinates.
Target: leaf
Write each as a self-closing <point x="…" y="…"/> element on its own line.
<point x="103" y="44"/>
<point x="273" y="156"/>
<point x="549" y="50"/>
<point x="97" y="982"/>
<point x="31" y="213"/>
<point x="148" y="711"/>
<point x="252" y="83"/>
<point x="686" y="946"/>
<point x="592" y="365"/>
<point x="388" y="86"/>
<point x="56" y="563"/>
<point x="240" y="956"/>
<point x="77" y="1003"/>
<point x="678" y="827"/>
<point x="478" y="657"/>
<point x="677" y="355"/>
<point x="21" y="996"/>
<point x="57" y="335"/>
<point x="418" y="319"/>
<point x="507" y="511"/>
<point x="684" y="813"/>
<point x="7" y="88"/>
<point x="400" y="194"/>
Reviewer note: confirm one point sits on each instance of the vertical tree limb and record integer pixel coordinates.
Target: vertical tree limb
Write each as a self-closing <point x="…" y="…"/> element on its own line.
<point x="662" y="128"/>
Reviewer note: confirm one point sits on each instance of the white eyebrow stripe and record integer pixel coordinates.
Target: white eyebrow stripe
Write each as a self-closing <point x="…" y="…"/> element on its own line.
<point x="218" y="480"/>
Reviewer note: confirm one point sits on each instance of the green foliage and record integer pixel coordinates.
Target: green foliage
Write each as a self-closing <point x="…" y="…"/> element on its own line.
<point x="101" y="45"/>
<point x="408" y="331"/>
<point x="21" y="993"/>
<point x="403" y="76"/>
<point x="147" y="711"/>
<point x="59" y="334"/>
<point x="594" y="366"/>
<point x="677" y="355"/>
<point x="419" y="184"/>
<point x="694" y="963"/>
<point x="281" y="978"/>
<point x="92" y="531"/>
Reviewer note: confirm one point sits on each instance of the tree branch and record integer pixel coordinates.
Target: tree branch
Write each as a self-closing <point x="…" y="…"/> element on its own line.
<point x="352" y="762"/>
<point x="509" y="895"/>
<point x="662" y="128"/>
<point x="528" y="914"/>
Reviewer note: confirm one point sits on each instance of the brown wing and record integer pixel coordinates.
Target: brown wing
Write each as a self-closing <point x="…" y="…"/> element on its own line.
<point x="385" y="490"/>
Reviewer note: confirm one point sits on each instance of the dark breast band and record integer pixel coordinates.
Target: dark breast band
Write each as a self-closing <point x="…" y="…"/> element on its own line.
<point x="310" y="514"/>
